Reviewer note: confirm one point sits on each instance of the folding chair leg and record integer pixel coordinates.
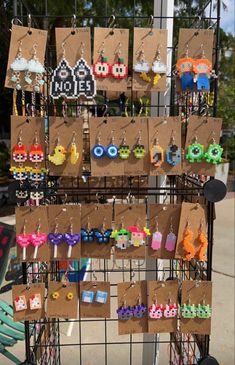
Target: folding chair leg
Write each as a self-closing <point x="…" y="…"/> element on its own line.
<point x="11" y="357"/>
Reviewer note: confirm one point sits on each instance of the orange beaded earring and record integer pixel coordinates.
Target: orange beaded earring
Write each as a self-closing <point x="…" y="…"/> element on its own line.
<point x="203" y="243"/>
<point x="187" y="243"/>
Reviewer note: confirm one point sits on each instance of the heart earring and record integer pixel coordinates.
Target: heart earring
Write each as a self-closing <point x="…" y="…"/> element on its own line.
<point x="156" y="238"/>
<point x="71" y="238"/>
<point x="203" y="243"/>
<point x="18" y="65"/>
<point x="118" y="69"/>
<point x="36" y="153"/>
<point x="139" y="151"/>
<point x="142" y="66"/>
<point x="214" y="153"/>
<point x="184" y="67"/>
<point x="101" y="68"/>
<point x="173" y="152"/>
<point x="202" y="69"/>
<point x="23" y="240"/>
<point x="87" y="235"/>
<point x="158" y="67"/>
<point x="55" y="238"/>
<point x="124" y="150"/>
<point x="112" y="150"/>
<point x="187" y="244"/>
<point x="58" y="157"/>
<point x="157" y="153"/>
<point x="195" y="152"/>
<point x="38" y="239"/>
<point x="170" y="239"/>
<point x="19" y="150"/>
<point x="98" y="151"/>
<point x="35" y="66"/>
<point x="74" y="154"/>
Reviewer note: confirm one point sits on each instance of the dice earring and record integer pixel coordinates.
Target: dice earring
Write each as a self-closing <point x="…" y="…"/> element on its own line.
<point x="139" y="150"/>
<point x="187" y="244"/>
<point x="124" y="150"/>
<point x="214" y="153"/>
<point x="19" y="150"/>
<point x="74" y="154"/>
<point x="112" y="150"/>
<point x="36" y="153"/>
<point x="118" y="69"/>
<point x="142" y="67"/>
<point x="35" y="66"/>
<point x="158" y="68"/>
<point x="98" y="151"/>
<point x="203" y="243"/>
<point x="157" y="237"/>
<point x="170" y="239"/>
<point x="18" y="65"/>
<point x="59" y="155"/>
<point x="195" y="152"/>
<point x="173" y="152"/>
<point x="101" y="68"/>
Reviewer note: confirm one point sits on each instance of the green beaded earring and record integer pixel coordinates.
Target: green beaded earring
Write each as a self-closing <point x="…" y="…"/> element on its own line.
<point x="214" y="153"/>
<point x="195" y="152"/>
<point x="139" y="150"/>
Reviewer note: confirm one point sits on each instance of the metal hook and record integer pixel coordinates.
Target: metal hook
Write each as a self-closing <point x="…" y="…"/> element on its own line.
<point x="74" y="137"/>
<point x="151" y="21"/>
<point x="63" y="48"/>
<point x="82" y="49"/>
<point x="17" y="20"/>
<point x="73" y="24"/>
<point x="105" y="110"/>
<point x="29" y="23"/>
<point x="111" y="23"/>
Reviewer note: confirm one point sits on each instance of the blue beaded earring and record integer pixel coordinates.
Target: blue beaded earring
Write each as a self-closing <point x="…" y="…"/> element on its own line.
<point x="112" y="149"/>
<point x="98" y="151"/>
<point x="173" y="154"/>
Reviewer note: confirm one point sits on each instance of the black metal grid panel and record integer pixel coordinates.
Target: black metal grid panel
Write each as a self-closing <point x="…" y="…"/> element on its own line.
<point x="43" y="343"/>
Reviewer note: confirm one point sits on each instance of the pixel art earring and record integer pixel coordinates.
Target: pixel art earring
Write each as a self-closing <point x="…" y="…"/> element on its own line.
<point x="157" y="237"/>
<point x="188" y="310"/>
<point x="184" y="67"/>
<point x="87" y="296"/>
<point x="156" y="153"/>
<point x="214" y="153"/>
<point x="170" y="310"/>
<point x="173" y="152"/>
<point x="155" y="310"/>
<point x="74" y="154"/>
<point x="36" y="153"/>
<point x="19" y="150"/>
<point x="87" y="235"/>
<point x="98" y="151"/>
<point x="139" y="150"/>
<point x="202" y="69"/>
<point x="142" y="67"/>
<point x="38" y="239"/>
<point x="101" y="68"/>
<point x="58" y="157"/>
<point x="23" y="240"/>
<point x="124" y="150"/>
<point x="55" y="238"/>
<point x="203" y="243"/>
<point x="170" y="239"/>
<point x="121" y="236"/>
<point x="35" y="66"/>
<point x="112" y="150"/>
<point x="139" y="310"/>
<point x="35" y="301"/>
<point x="103" y="235"/>
<point x="101" y="297"/>
<point x="158" y="67"/>
<point x="204" y="310"/>
<point x="118" y="69"/>
<point x="20" y="303"/>
<point x="71" y="238"/>
<point x="138" y="236"/>
<point x="18" y="65"/>
<point x="195" y="152"/>
<point x="187" y="244"/>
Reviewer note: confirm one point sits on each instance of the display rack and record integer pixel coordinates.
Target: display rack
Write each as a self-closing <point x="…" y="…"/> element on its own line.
<point x="43" y="341"/>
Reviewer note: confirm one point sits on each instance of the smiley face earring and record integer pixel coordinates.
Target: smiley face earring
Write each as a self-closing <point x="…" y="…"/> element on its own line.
<point x="139" y="150"/>
<point x="98" y="151"/>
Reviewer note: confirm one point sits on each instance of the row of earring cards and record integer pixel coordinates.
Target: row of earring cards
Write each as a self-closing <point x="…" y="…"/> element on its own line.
<point x="140" y="307"/>
<point x="118" y="146"/>
<point x="60" y="232"/>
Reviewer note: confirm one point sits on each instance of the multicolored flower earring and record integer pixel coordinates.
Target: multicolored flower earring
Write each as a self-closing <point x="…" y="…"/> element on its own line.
<point x="142" y="67"/>
<point x="202" y="69"/>
<point x="203" y="243"/>
<point x="139" y="150"/>
<point x="19" y="150"/>
<point x="124" y="150"/>
<point x="195" y="152"/>
<point x="187" y="244"/>
<point x="157" y="237"/>
<point x="118" y="69"/>
<point x="170" y="239"/>
<point x="36" y="153"/>
<point x="158" y="68"/>
<point x="98" y="151"/>
<point x="18" y="65"/>
<point x="214" y="153"/>
<point x="173" y="152"/>
<point x="156" y="153"/>
<point x="184" y="67"/>
<point x="38" y="239"/>
<point x="36" y="67"/>
<point x="74" y="154"/>
<point x="55" y="238"/>
<point x="101" y="68"/>
<point x="71" y="238"/>
<point x="112" y="150"/>
<point x="59" y="155"/>
<point x="23" y="240"/>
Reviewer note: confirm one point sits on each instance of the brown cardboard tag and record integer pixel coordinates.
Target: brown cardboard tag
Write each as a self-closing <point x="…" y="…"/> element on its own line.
<point x="119" y="128"/>
<point x="66" y="129"/>
<point x="197" y="40"/>
<point x="205" y="129"/>
<point x="196" y="292"/>
<point x="27" y="128"/>
<point x="129" y="294"/>
<point x="149" y="41"/>
<point x="130" y="215"/>
<point x="95" y="309"/>
<point x="167" y="217"/>
<point x="96" y="215"/>
<point x="195" y="214"/>
<point x="168" y="132"/>
<point x="64" y="215"/>
<point x="162" y="293"/>
<point x="110" y="44"/>
<point x="27" y="291"/>
<point x="20" y="34"/>
<point x="30" y="216"/>
<point x="73" y="44"/>
<point x="62" y="300"/>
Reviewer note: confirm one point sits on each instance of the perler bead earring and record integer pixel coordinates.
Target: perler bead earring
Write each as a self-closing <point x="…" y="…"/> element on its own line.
<point x="184" y="67"/>
<point x="23" y="240"/>
<point x="170" y="239"/>
<point x="69" y="296"/>
<point x="138" y="236"/>
<point x="112" y="150"/>
<point x="34" y="66"/>
<point x="173" y="152"/>
<point x="36" y="153"/>
<point x="19" y="150"/>
<point x="101" y="68"/>
<point x="204" y="310"/>
<point x="203" y="243"/>
<point x="58" y="157"/>
<point x="87" y="235"/>
<point x="139" y="310"/>
<point x="87" y="296"/>
<point x="35" y="301"/>
<point x="18" y="65"/>
<point x="55" y="238"/>
<point x="214" y="153"/>
<point x="103" y="235"/>
<point x="38" y="239"/>
<point x="71" y="238"/>
<point x="139" y="150"/>
<point x="187" y="244"/>
<point x="156" y="153"/>
<point x="195" y="152"/>
<point x="74" y="154"/>
<point x="124" y="150"/>
<point x="155" y="310"/>
<point x="118" y="69"/>
<point x="121" y="236"/>
<point x="142" y="67"/>
<point x="158" y="68"/>
<point x="188" y="311"/>
<point x="20" y="303"/>
<point x="202" y="69"/>
<point x="157" y="237"/>
<point x="98" y="151"/>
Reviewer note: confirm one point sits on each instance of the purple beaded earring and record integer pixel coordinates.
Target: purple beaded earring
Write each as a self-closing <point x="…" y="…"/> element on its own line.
<point x="55" y="238"/>
<point x="71" y="238"/>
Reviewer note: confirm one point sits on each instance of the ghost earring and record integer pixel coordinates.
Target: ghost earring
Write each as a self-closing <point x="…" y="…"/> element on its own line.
<point x="59" y="155"/>
<point x="156" y="153"/>
<point x="142" y="67"/>
<point x="139" y="151"/>
<point x="36" y="153"/>
<point x="124" y="150"/>
<point x="173" y="152"/>
<point x="118" y="69"/>
<point x="156" y="238"/>
<point x="158" y="68"/>
<point x="35" y="66"/>
<point x="112" y="150"/>
<point x="18" y="65"/>
<point x="170" y="239"/>
<point x="214" y="153"/>
<point x="98" y="151"/>
<point x="74" y="154"/>
<point x="101" y="68"/>
<point x="203" y="243"/>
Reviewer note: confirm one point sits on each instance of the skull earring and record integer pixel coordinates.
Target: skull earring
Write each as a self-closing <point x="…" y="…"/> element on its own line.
<point x="18" y="65"/>
<point x="158" y="68"/>
<point x="139" y="151"/>
<point x="35" y="66"/>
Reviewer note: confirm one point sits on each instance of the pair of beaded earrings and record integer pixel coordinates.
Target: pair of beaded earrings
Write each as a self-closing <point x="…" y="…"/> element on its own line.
<point x="118" y="70"/>
<point x="123" y="151"/>
<point x="195" y="152"/>
<point x="99" y="296"/>
<point x="142" y="67"/>
<point x="35" y="302"/>
<point x="100" y="236"/>
<point x="157" y="239"/>
<point x="172" y="155"/>
<point x="33" y="66"/>
<point x="59" y="155"/>
<point x="202" y="311"/>
<point x="188" y="246"/>
<point x="139" y="310"/>
<point x="158" y="311"/>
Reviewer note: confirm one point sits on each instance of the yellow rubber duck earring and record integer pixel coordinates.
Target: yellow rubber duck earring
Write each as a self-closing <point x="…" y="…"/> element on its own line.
<point x="58" y="158"/>
<point x="74" y="154"/>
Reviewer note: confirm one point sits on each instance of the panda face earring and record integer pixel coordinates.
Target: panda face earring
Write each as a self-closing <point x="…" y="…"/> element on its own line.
<point x="98" y="151"/>
<point x="112" y="150"/>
